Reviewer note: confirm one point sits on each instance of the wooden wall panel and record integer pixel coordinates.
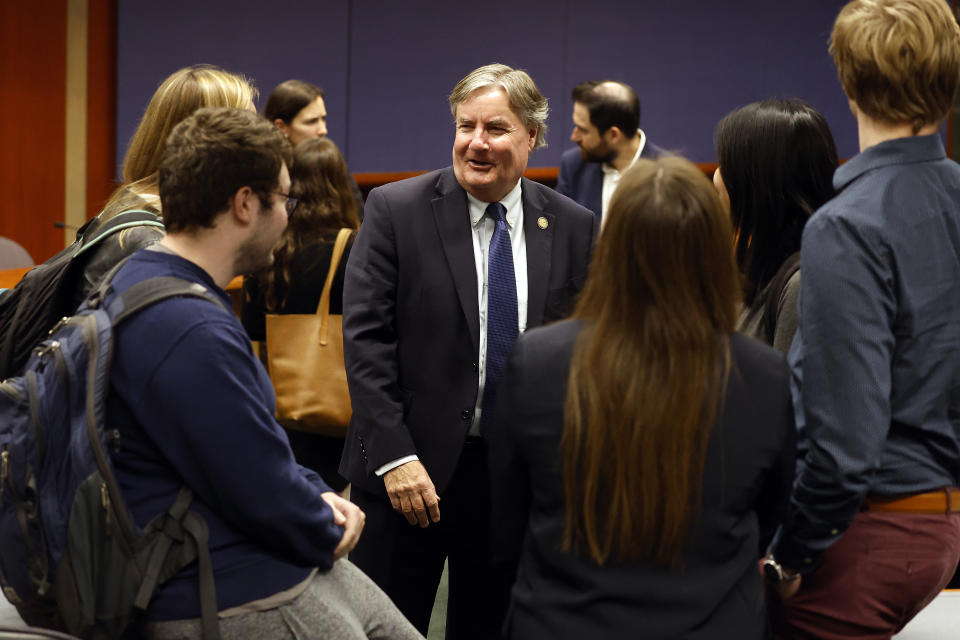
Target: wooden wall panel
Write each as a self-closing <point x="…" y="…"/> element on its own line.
<point x="32" y="123"/>
<point x="101" y="103"/>
<point x="75" y="112"/>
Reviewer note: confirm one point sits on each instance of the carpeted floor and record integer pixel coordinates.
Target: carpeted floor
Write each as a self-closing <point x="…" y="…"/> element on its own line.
<point x="438" y="619"/>
<point x="8" y="615"/>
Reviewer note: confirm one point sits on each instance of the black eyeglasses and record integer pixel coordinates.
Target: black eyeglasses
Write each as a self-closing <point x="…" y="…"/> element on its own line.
<point x="290" y="203"/>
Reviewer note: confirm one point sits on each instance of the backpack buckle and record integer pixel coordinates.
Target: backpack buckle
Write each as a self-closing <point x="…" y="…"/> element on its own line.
<point x="62" y="321"/>
<point x="46" y="349"/>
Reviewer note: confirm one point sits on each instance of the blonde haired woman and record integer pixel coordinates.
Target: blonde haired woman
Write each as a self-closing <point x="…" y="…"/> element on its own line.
<point x="177" y="97"/>
<point x="642" y="452"/>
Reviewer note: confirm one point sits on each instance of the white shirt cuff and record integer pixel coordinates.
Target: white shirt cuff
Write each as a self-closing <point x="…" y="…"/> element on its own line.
<point x="390" y="466"/>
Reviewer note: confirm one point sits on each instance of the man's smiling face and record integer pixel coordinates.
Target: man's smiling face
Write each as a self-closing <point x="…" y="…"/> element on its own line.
<point x="491" y="146"/>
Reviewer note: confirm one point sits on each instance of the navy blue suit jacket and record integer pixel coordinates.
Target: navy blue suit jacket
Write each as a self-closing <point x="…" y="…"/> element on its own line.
<point x="583" y="181"/>
<point x="411" y="319"/>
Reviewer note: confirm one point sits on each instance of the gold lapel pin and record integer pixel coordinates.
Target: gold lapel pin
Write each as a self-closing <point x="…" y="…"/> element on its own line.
<point x="542" y="222"/>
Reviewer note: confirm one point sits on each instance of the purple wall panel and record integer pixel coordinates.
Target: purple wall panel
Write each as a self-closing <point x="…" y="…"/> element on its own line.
<point x="267" y="42"/>
<point x="692" y="62"/>
<point x="387" y="67"/>
<point x="407" y="56"/>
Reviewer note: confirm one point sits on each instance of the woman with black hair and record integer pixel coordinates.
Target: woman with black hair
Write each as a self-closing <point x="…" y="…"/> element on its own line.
<point x="776" y="162"/>
<point x="320" y="182"/>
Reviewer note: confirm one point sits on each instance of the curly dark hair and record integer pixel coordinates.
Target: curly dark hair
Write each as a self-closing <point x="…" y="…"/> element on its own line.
<point x="212" y="154"/>
<point x="320" y="181"/>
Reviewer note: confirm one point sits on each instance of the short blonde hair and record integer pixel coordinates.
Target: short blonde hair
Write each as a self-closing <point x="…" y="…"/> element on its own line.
<point x="522" y="93"/>
<point x="898" y="60"/>
<point x="177" y="97"/>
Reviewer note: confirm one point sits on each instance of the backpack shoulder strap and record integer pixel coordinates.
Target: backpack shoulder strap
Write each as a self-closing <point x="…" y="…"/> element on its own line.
<point x="173" y="526"/>
<point x="197" y="528"/>
<point x="775" y="292"/>
<point x="178" y="518"/>
<point x="153" y="290"/>
<point x="123" y="220"/>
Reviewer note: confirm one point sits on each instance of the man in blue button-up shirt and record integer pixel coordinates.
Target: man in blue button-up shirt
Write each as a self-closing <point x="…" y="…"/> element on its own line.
<point x="873" y="532"/>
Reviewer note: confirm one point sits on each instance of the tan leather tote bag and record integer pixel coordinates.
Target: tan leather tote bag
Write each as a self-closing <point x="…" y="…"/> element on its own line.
<point x="305" y="362"/>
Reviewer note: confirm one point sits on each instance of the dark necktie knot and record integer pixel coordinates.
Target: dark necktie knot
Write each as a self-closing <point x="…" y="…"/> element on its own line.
<point x="497" y="211"/>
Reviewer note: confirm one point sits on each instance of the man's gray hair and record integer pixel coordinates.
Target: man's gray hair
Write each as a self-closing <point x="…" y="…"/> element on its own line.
<point x="522" y="93"/>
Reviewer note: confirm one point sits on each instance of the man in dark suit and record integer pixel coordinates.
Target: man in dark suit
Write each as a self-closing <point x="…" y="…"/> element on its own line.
<point x="447" y="269"/>
<point x="606" y="129"/>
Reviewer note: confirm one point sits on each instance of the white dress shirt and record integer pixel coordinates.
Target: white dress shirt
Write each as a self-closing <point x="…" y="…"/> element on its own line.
<point x="482" y="231"/>
<point x="611" y="177"/>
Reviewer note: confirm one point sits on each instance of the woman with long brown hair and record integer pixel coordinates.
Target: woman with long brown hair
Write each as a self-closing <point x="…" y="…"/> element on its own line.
<point x="320" y="182"/>
<point x="642" y="452"/>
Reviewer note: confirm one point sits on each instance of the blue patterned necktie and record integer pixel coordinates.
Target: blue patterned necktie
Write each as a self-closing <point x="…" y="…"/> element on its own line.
<point x="502" y="326"/>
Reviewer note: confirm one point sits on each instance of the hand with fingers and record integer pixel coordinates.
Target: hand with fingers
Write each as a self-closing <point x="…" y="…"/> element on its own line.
<point x="350" y="517"/>
<point x="412" y="493"/>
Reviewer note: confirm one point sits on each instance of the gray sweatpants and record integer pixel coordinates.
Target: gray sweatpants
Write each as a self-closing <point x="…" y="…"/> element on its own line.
<point x="341" y="604"/>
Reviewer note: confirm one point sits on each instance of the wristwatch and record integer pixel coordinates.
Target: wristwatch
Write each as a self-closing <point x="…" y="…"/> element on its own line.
<point x="775" y="574"/>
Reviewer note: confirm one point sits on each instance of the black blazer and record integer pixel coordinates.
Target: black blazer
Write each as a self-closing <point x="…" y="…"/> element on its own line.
<point x="411" y="319"/>
<point x="718" y="593"/>
<point x="583" y="181"/>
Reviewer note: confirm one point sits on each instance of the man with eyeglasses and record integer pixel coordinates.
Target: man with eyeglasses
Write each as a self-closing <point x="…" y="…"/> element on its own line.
<point x="194" y="408"/>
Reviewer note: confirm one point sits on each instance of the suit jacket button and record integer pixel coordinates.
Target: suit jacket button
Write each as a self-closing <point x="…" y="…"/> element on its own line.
<point x="465" y="414"/>
<point x="474" y="366"/>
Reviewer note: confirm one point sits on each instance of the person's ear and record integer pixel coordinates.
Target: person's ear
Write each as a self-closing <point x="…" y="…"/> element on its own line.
<point x="280" y="124"/>
<point x="244" y="205"/>
<point x="613" y="136"/>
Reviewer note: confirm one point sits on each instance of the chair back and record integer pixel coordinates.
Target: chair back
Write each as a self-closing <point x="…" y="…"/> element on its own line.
<point x="13" y="256"/>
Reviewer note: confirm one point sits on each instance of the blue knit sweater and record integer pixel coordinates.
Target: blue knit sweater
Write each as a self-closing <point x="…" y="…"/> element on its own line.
<point x="194" y="406"/>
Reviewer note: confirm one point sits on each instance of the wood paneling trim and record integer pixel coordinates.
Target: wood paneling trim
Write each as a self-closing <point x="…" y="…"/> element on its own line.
<point x="101" y="103"/>
<point x="32" y="123"/>
<point x="75" y="150"/>
<point x="548" y="175"/>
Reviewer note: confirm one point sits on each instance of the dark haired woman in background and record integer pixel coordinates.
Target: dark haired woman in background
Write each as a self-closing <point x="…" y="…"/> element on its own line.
<point x="298" y="110"/>
<point x="776" y="162"/>
<point x="319" y="181"/>
<point x="642" y="452"/>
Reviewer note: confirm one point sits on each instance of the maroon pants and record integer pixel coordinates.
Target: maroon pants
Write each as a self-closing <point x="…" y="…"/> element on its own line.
<point x="873" y="580"/>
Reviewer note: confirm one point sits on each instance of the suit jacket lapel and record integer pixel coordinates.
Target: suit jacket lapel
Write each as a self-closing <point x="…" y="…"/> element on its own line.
<point x="595" y="189"/>
<point x="538" y="231"/>
<point x="453" y="224"/>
